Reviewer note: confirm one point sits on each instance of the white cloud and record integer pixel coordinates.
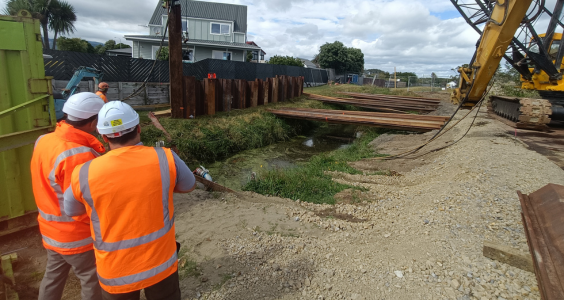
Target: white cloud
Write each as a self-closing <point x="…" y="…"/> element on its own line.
<point x="413" y="35"/>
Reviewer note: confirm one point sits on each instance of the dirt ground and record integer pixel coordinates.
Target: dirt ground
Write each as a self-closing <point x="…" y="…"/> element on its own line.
<point x="416" y="233"/>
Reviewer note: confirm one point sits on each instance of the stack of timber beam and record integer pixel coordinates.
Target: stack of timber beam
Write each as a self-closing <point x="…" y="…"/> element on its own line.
<point x="211" y="95"/>
<point x="384" y="103"/>
<point x="407" y="122"/>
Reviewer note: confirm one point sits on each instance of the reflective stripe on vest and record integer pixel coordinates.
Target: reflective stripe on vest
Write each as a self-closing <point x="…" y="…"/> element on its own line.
<point x="130" y="279"/>
<point x="37" y="141"/>
<point x="69" y="245"/>
<point x="125" y="244"/>
<point x="57" y="188"/>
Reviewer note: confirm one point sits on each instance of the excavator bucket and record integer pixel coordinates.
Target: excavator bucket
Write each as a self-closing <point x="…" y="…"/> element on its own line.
<point x="543" y="219"/>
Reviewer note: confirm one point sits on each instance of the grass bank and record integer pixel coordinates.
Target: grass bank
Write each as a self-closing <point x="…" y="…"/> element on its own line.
<point x="210" y="138"/>
<point x="309" y="182"/>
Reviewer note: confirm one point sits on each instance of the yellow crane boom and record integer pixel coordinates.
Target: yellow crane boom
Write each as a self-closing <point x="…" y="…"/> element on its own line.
<point x="497" y="35"/>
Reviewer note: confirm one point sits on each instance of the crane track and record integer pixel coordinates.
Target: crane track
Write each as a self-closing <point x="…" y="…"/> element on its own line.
<point x="524" y="113"/>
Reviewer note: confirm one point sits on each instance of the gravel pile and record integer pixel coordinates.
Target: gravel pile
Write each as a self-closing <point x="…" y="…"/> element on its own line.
<point x="414" y="236"/>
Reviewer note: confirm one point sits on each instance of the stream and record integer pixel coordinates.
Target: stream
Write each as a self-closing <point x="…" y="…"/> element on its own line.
<point x="235" y="171"/>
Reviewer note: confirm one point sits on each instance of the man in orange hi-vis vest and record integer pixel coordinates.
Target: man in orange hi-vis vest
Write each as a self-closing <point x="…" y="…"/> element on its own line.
<point x="68" y="240"/>
<point x="103" y="91"/>
<point x="128" y="195"/>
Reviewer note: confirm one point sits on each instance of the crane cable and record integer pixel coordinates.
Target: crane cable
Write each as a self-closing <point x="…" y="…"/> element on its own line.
<point x="442" y="131"/>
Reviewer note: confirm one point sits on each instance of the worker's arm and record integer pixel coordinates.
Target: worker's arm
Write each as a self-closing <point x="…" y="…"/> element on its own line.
<point x="73" y="207"/>
<point x="185" y="180"/>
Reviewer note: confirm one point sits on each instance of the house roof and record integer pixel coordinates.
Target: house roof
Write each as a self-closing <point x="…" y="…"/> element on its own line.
<point x="255" y="44"/>
<point x="207" y="10"/>
<point x="193" y="42"/>
<point x="308" y="63"/>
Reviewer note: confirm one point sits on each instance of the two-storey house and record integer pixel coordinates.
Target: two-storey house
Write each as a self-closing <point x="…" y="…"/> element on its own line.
<point x="213" y="30"/>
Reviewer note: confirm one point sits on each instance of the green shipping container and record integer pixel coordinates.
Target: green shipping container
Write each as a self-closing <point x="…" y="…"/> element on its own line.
<point x="26" y="112"/>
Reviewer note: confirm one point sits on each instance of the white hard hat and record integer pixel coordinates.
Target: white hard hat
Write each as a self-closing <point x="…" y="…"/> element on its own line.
<point x="82" y="106"/>
<point x="116" y="119"/>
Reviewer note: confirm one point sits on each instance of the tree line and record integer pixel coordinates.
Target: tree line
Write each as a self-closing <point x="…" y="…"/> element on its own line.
<point x="59" y="17"/>
<point x="331" y="55"/>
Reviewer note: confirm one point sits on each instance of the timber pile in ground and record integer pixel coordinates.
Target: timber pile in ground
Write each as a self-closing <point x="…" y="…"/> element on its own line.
<point x="384" y="120"/>
<point x="384" y="103"/>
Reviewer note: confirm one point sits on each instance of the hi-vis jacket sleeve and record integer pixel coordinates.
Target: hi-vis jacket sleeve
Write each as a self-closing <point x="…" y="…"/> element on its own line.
<point x="73" y="207"/>
<point x="185" y="180"/>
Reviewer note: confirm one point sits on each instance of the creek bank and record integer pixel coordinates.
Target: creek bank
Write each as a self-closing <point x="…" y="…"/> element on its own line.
<point x="235" y="171"/>
<point x="212" y="138"/>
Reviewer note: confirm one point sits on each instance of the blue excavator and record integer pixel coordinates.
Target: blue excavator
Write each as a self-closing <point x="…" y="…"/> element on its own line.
<point x="72" y="86"/>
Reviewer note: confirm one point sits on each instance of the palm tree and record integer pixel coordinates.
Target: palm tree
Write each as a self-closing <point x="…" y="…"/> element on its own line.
<point x="62" y="18"/>
<point x="44" y="11"/>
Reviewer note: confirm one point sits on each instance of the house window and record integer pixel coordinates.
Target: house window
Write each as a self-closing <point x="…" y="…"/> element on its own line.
<point x="165" y="19"/>
<point x="184" y="25"/>
<point x="255" y="55"/>
<point x="187" y="55"/>
<point x="261" y="56"/>
<point x="155" y="50"/>
<point x="223" y="55"/>
<point x="217" y="28"/>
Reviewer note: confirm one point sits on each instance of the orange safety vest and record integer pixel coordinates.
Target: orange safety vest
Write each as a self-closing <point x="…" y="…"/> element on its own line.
<point x="128" y="197"/>
<point x="54" y="158"/>
<point x="101" y="95"/>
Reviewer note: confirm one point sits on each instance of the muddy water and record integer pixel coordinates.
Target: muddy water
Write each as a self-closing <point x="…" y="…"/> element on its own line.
<point x="235" y="171"/>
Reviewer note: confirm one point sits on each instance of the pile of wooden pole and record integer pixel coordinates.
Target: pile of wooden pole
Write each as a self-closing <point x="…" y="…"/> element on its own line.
<point x="407" y="122"/>
<point x="384" y="103"/>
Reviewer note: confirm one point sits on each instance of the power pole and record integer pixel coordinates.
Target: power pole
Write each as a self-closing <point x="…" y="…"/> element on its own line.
<point x="395" y="79"/>
<point x="175" y="60"/>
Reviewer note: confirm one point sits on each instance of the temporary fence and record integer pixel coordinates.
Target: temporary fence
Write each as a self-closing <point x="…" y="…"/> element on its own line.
<point x="211" y="95"/>
<point x="125" y="69"/>
<point x="429" y="83"/>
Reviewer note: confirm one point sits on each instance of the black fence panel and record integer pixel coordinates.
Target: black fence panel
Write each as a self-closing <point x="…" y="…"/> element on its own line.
<point x="117" y="68"/>
<point x="265" y="71"/>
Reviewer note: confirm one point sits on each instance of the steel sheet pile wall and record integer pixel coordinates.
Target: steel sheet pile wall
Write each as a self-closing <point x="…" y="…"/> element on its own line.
<point x="208" y="96"/>
<point x="26" y="112"/>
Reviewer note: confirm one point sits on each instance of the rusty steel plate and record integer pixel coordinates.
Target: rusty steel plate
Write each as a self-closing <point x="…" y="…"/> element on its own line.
<point x="543" y="219"/>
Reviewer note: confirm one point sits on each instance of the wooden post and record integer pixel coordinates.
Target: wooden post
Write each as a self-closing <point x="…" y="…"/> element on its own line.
<point x="200" y="97"/>
<point x="219" y="95"/>
<point x="190" y="96"/>
<point x="242" y="93"/>
<point x="302" y="86"/>
<point x="283" y="88"/>
<point x="275" y="89"/>
<point x="210" y="91"/>
<point x="288" y="87"/>
<point x="251" y="94"/>
<point x="259" y="88"/>
<point x="227" y="94"/>
<point x="508" y="255"/>
<point x="266" y="90"/>
<point x="175" y="62"/>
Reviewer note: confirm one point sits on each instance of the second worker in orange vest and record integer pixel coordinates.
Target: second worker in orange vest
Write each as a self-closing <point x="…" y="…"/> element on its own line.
<point x="128" y="195"/>
<point x="103" y="91"/>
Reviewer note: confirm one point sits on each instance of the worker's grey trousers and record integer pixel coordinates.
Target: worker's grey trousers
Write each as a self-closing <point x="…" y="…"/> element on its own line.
<point x="57" y="271"/>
